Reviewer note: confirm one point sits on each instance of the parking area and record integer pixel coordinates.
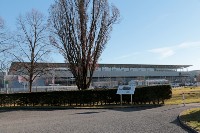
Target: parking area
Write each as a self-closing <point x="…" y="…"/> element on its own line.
<point x="118" y="120"/>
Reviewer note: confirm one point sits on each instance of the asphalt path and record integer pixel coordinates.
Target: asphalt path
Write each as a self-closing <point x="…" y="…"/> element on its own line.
<point x="117" y="120"/>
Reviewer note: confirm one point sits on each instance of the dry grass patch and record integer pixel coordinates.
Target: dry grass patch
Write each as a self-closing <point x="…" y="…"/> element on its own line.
<point x="191" y="94"/>
<point x="191" y="118"/>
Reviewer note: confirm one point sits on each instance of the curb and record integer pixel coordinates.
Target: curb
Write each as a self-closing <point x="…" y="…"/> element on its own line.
<point x="75" y="107"/>
<point x="186" y="126"/>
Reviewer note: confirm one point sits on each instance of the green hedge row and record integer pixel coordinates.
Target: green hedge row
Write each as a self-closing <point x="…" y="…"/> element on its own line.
<point x="143" y="95"/>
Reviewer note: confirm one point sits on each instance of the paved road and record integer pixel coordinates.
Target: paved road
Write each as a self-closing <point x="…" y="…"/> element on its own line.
<point x="121" y="120"/>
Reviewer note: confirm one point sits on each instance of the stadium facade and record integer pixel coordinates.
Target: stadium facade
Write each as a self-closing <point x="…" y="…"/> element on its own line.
<point x="106" y="75"/>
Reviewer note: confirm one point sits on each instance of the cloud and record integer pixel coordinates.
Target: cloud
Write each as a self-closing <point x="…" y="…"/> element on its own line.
<point x="163" y="52"/>
<point x="189" y="45"/>
<point x="166" y="52"/>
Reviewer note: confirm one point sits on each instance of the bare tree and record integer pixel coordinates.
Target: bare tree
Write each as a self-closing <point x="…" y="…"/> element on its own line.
<point x="2" y="41"/>
<point x="31" y="46"/>
<point x="5" y="45"/>
<point x="2" y="33"/>
<point x="80" y="30"/>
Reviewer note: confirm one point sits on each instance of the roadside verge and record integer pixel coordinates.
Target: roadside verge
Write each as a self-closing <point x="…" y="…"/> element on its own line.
<point x="184" y="124"/>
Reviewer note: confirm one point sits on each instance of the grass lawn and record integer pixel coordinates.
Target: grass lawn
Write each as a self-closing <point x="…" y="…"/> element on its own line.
<point x="191" y="117"/>
<point x="191" y="94"/>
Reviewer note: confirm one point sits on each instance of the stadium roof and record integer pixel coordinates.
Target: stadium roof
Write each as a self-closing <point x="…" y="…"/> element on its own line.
<point x="144" y="66"/>
<point x="58" y="65"/>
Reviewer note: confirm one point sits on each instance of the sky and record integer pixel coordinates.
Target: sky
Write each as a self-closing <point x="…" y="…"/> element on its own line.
<point x="163" y="32"/>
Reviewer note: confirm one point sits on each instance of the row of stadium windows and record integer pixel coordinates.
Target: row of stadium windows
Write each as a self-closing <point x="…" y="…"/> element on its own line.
<point x="125" y="69"/>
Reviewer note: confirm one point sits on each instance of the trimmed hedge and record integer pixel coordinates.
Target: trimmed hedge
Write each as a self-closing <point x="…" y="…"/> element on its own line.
<point x="143" y="95"/>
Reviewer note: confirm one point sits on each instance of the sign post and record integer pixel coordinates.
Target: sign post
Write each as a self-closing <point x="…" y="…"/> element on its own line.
<point x="183" y="98"/>
<point x="127" y="89"/>
<point x="121" y="99"/>
<point x="131" y="99"/>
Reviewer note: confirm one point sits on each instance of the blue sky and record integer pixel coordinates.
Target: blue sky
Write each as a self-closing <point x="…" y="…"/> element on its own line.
<point x="150" y="31"/>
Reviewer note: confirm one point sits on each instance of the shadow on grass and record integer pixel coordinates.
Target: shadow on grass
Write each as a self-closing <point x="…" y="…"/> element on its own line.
<point x="193" y="118"/>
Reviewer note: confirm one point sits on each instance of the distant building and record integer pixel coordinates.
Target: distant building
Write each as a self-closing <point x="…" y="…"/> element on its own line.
<point x="106" y="75"/>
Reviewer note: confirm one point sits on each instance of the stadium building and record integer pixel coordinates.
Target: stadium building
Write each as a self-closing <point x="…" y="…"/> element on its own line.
<point x="106" y="75"/>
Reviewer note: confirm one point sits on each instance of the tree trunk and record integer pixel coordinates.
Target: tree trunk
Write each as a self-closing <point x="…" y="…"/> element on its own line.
<point x="30" y="86"/>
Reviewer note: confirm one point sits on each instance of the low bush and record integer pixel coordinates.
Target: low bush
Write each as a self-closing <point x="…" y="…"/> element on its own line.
<point x="143" y="95"/>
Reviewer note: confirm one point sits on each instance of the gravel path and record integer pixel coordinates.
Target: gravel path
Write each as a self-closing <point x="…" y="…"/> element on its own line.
<point x="120" y="120"/>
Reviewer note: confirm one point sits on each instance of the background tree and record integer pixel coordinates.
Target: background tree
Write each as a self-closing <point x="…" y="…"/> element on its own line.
<point x="80" y="30"/>
<point x="5" y="45"/>
<point x="3" y="33"/>
<point x="31" y="46"/>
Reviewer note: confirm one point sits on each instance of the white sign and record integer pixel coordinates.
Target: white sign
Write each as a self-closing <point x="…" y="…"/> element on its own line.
<point x="126" y="89"/>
